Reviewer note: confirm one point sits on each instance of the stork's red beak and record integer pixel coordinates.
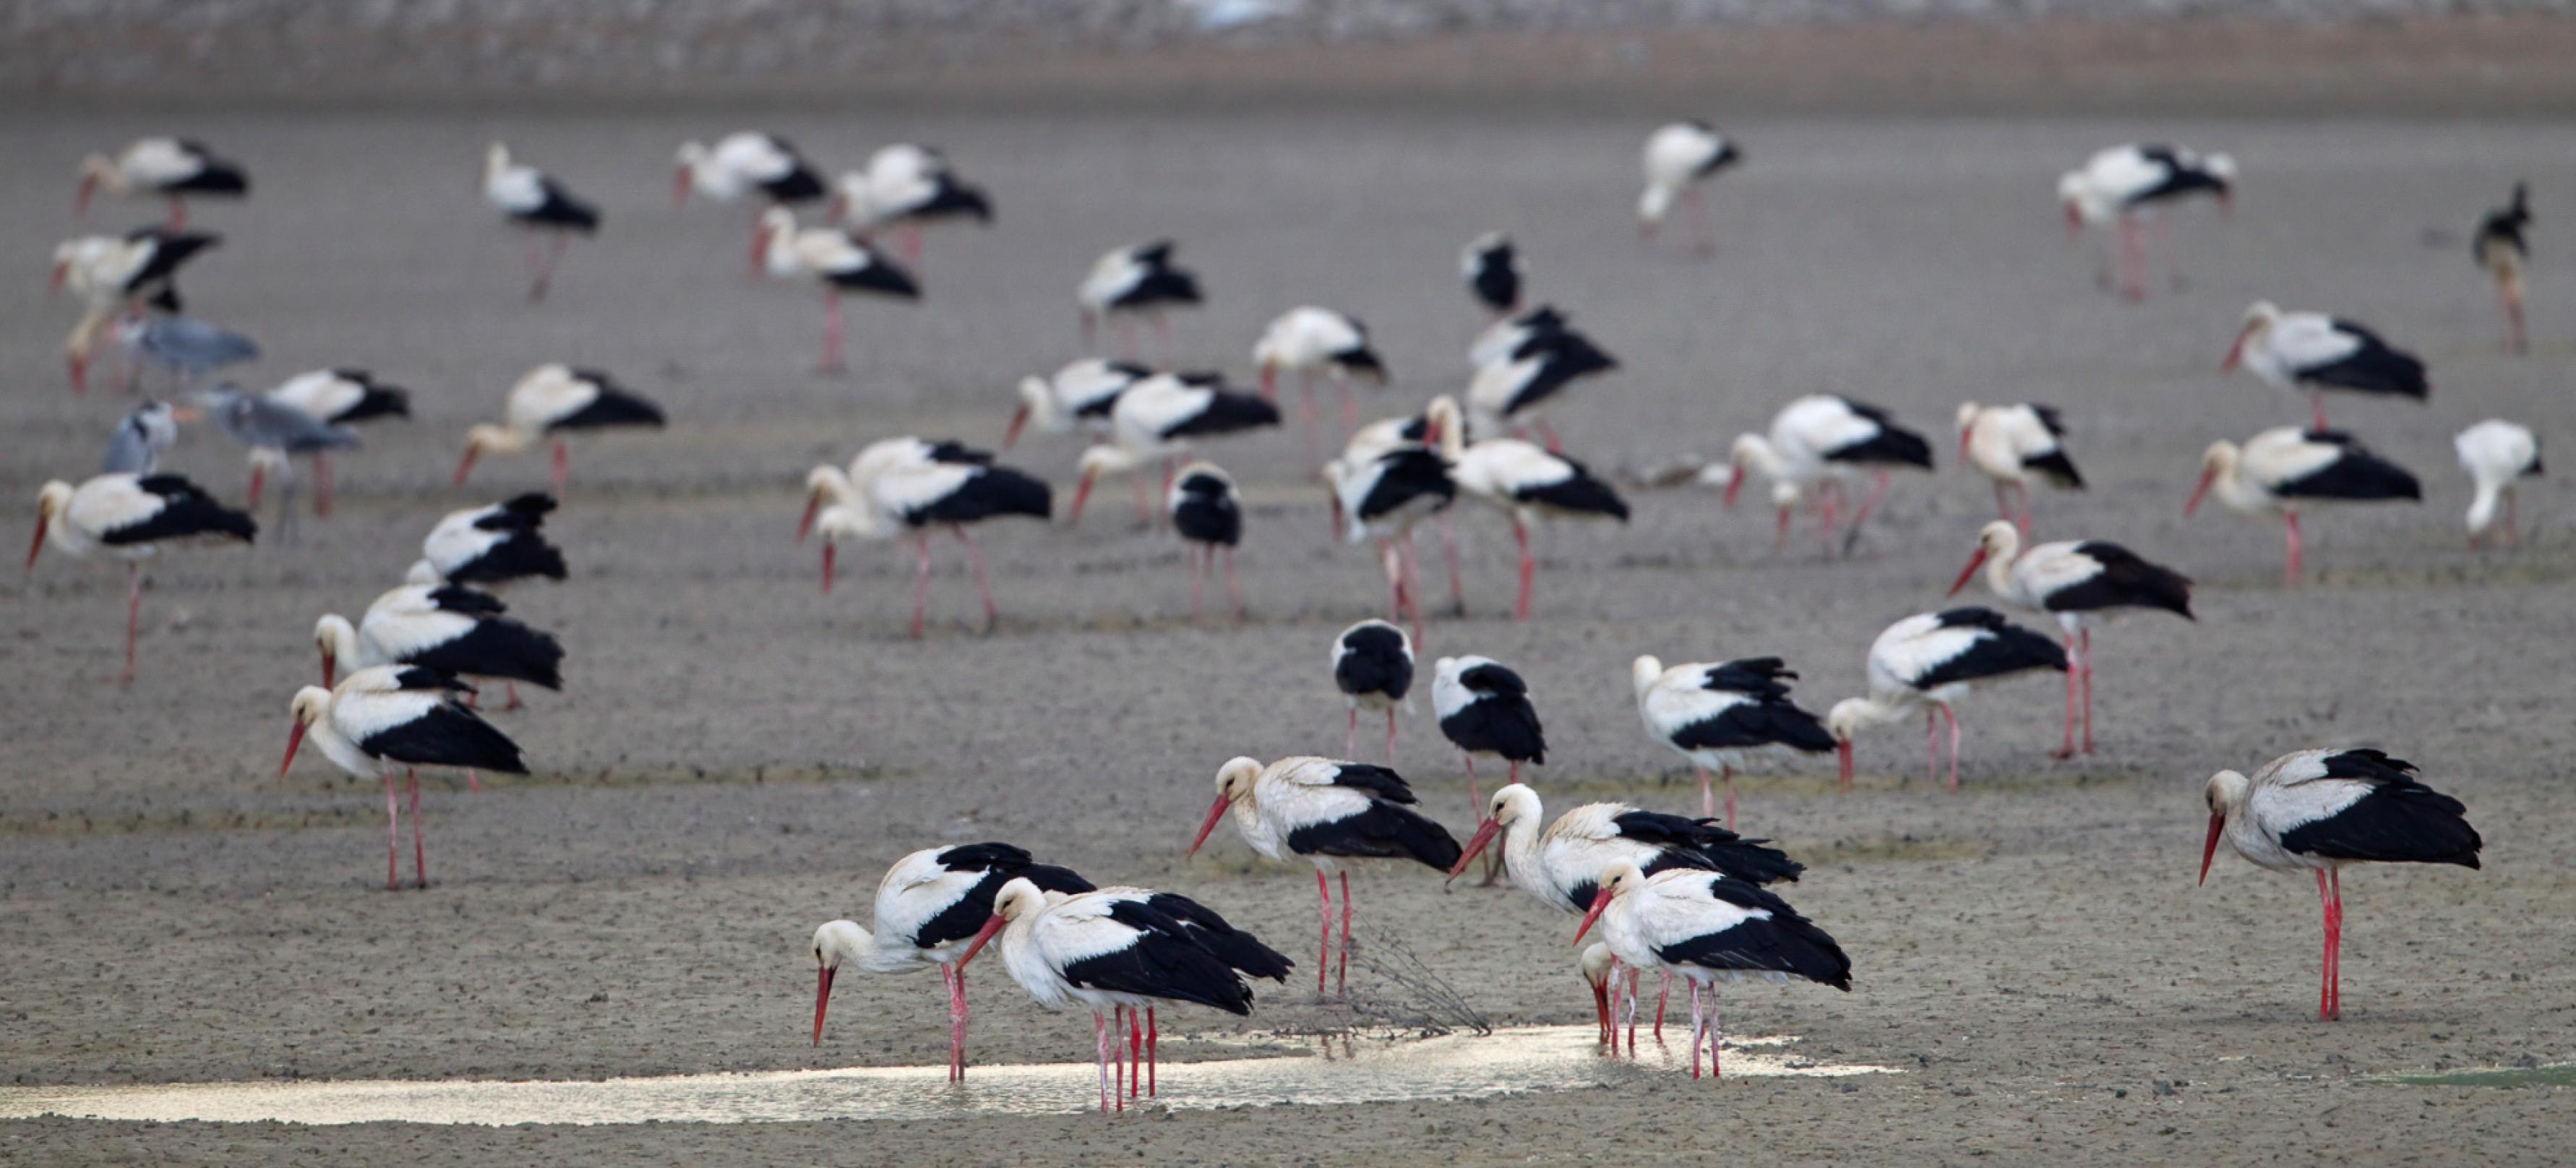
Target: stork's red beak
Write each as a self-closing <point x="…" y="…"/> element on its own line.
<point x="1976" y="560"/>
<point x="823" y="975"/>
<point x="294" y="739"/>
<point x="2209" y="850"/>
<point x="54" y="283"/>
<point x="827" y="567"/>
<point x="813" y="504"/>
<point x="680" y="187"/>
<point x="1601" y="1004"/>
<point x="2193" y="504"/>
<point x="1734" y="483"/>
<point x="330" y="663"/>
<point x="2235" y="351"/>
<point x="464" y="465"/>
<point x="992" y="924"/>
<point x="1081" y="495"/>
<point x="2074" y="222"/>
<point x="1842" y="753"/>
<point x="1214" y="814"/>
<point x="1019" y="418"/>
<point x="1485" y="833"/>
<point x="80" y="198"/>
<point x="1269" y="382"/>
<point x="1600" y="900"/>
<point x="1964" y="432"/>
<point x="38" y="544"/>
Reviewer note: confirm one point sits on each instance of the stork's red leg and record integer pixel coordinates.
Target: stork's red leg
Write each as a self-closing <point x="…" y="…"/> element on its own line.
<point x="1100" y="1052"/>
<point x="920" y="581"/>
<point x="831" y="362"/>
<point x="2066" y="749"/>
<point x="2325" y="950"/>
<point x="983" y="586"/>
<point x="1390" y="735"/>
<point x="1306" y="411"/>
<point x="1695" y="1021"/>
<point x="1449" y="556"/>
<point x="419" y="865"/>
<point x="1342" y="978"/>
<point x="2085" y="638"/>
<point x="321" y="484"/>
<point x="1952" y="716"/>
<point x="1324" y="911"/>
<point x="1664" y="994"/>
<point x="1153" y="1037"/>
<point x="1351" y="733"/>
<point x="1726" y="779"/>
<point x="1931" y="744"/>
<point x="1529" y="570"/>
<point x="133" y="618"/>
<point x="562" y="468"/>
<point x="2290" y="566"/>
<point x="393" y="833"/>
<point x="1707" y="791"/>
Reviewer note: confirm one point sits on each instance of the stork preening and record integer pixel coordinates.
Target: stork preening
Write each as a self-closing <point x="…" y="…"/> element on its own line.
<point x="1079" y="395"/>
<point x="2500" y="249"/>
<point x="551" y="402"/>
<point x="2319" y="810"/>
<point x="904" y="189"/>
<point x="115" y="276"/>
<point x="2012" y="445"/>
<point x="2497" y="455"/>
<point x="1719" y="715"/>
<point x="1484" y="709"/>
<point x="928" y="908"/>
<point x="491" y="546"/>
<point x="1161" y="418"/>
<point x="2285" y="469"/>
<point x="1707" y="927"/>
<point x="912" y="494"/>
<point x="130" y="517"/>
<point x="453" y="629"/>
<point x="1207" y="513"/>
<point x="1373" y="667"/>
<point x="2128" y="188"/>
<point x="1130" y="282"/>
<point x="534" y="202"/>
<point x="2311" y="352"/>
<point x="743" y="162"/>
<point x="170" y="169"/>
<point x="1524" y="482"/>
<point x="1524" y="364"/>
<point x="393" y="716"/>
<point x="2081" y="582"/>
<point x="1561" y="863"/>
<point x="841" y="263"/>
<point x="1329" y="813"/>
<point x="189" y="349"/>
<point x="1123" y="949"/>
<point x="1931" y="661"/>
<point x="1821" y="440"/>
<point x="1494" y="270"/>
<point x="1309" y="341"/>
<point x="1678" y="158"/>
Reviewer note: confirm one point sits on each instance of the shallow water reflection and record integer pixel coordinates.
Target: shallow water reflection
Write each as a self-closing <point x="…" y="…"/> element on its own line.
<point x="1452" y="1067"/>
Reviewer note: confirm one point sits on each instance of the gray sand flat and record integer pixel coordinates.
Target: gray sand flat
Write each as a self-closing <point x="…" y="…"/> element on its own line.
<point x="737" y="758"/>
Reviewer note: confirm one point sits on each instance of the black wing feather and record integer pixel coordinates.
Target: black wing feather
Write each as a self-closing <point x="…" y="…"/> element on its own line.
<point x="186" y="511"/>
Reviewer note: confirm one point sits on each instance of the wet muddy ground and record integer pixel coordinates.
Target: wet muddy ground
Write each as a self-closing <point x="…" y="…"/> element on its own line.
<point x="737" y="758"/>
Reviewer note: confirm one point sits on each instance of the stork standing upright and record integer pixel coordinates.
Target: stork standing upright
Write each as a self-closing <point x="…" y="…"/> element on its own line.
<point x="1161" y="418"/>
<point x="1929" y="662"/>
<point x="2500" y="249"/>
<point x="171" y="169"/>
<point x="1494" y="270"/>
<point x="398" y="716"/>
<point x="1484" y="709"/>
<point x="1123" y="949"/>
<point x="1129" y="282"/>
<point x="1528" y="366"/>
<point x="2319" y="810"/>
<point x="1080" y="394"/>
<point x="118" y="275"/>
<point x="1329" y="813"/>
<point x="740" y="163"/>
<point x="906" y="188"/>
<point x="1380" y="494"/>
<point x="130" y="517"/>
<point x="1715" y="715"/>
<point x="2128" y="188"/>
<point x="491" y="546"/>
<point x="1207" y="513"/>
<point x="1525" y="483"/>
<point x="533" y="201"/>
<point x="1821" y="440"/>
<point x="551" y="402"/>
<point x="1309" y="341"/>
<point x="841" y="263"/>
<point x="1373" y="667"/>
<point x="1706" y="927"/>
<point x="2012" y="445"/>
<point x="2311" y="352"/>
<point x="1678" y="158"/>
<point x="2285" y="469"/>
<point x="2082" y="583"/>
<point x="911" y="495"/>
<point x="927" y="909"/>
<point x="447" y="627"/>
<point x="2497" y="455"/>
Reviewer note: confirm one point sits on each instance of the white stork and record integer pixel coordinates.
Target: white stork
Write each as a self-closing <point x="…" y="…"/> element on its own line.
<point x="2497" y="455"/>
<point x="1308" y="341"/>
<point x="1373" y="667"/>
<point x="1533" y="359"/>
<point x="1129" y="282"/>
<point x="906" y="188"/>
<point x="2313" y="352"/>
<point x="2285" y="468"/>
<point x="447" y="627"/>
<point x="1930" y="661"/>
<point x="1707" y="926"/>
<point x="1717" y="714"/>
<point x="2014" y="444"/>
<point x="927" y="908"/>
<point x="491" y="546"/>
<point x="1329" y="813"/>
<point x="2125" y="187"/>
<point x="174" y="169"/>
<point x="951" y="489"/>
<point x="2081" y="582"/>
<point x="1493" y="269"/>
<point x="339" y="397"/>
<point x="1207" y="512"/>
<point x="393" y="716"/>
<point x="1160" y="418"/>
<point x="2501" y="250"/>
<point x="742" y="162"/>
<point x="1817" y="442"/>
<point x="1380" y="495"/>
<point x="1679" y="156"/>
<point x="112" y="275"/>
<point x="550" y="402"/>
<point x="1524" y="482"/>
<point x="533" y="201"/>
<point x="1484" y="709"/>
<point x="1122" y="949"/>
<point x="1560" y="864"/>
<point x="2319" y="810"/>
<point x="1080" y="394"/>
<point x="841" y="263"/>
<point x="130" y="517"/>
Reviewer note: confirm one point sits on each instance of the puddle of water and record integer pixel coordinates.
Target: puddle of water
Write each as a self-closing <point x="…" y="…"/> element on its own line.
<point x="1453" y="1067"/>
<point x="2552" y="1075"/>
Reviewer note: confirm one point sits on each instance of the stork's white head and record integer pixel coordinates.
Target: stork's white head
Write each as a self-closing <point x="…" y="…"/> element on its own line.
<point x="311" y="704"/>
<point x="1234" y="782"/>
<point x="1749" y="452"/>
<point x="1644" y="672"/>
<point x="496" y="158"/>
<point x="337" y="640"/>
<point x="485" y="438"/>
<point x="1510" y="804"/>
<point x="51" y="501"/>
<point x="1998" y="541"/>
<point x="2218" y="462"/>
<point x="2225" y="793"/>
<point x="825" y="485"/>
<point x="1102" y="459"/>
<point x="96" y="171"/>
<point x="2223" y="166"/>
<point x="2260" y="316"/>
<point x="692" y="155"/>
<point x="424" y="573"/>
<point x="1595" y="964"/>
<point x="1619" y="878"/>
<point x="835" y="943"/>
<point x="1967" y="420"/>
<point x="1038" y="404"/>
